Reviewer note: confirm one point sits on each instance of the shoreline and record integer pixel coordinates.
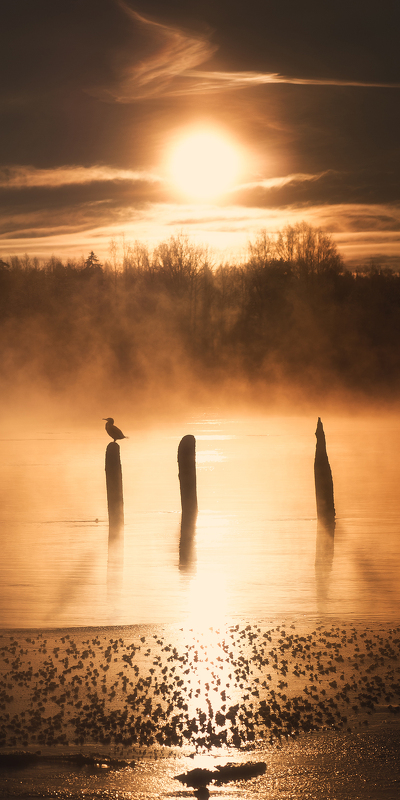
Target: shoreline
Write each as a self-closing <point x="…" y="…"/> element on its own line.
<point x="129" y="708"/>
<point x="344" y="766"/>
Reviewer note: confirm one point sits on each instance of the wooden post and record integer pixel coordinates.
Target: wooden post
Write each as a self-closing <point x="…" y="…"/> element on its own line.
<point x="187" y="476"/>
<point x="323" y="479"/>
<point x="187" y="480"/>
<point x="115" y="499"/>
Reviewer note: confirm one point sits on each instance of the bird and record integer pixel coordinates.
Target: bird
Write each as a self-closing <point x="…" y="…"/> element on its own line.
<point x="112" y="429"/>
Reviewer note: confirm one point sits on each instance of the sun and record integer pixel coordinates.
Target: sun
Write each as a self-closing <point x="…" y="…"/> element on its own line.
<point x="204" y="164"/>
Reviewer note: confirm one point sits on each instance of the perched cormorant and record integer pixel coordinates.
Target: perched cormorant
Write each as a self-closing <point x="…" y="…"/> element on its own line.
<point x="112" y="429"/>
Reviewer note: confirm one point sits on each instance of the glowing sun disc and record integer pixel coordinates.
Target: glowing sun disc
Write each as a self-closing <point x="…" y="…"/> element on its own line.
<point x="204" y="165"/>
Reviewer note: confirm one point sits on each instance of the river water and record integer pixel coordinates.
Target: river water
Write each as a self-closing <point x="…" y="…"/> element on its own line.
<point x="259" y="562"/>
<point x="255" y="542"/>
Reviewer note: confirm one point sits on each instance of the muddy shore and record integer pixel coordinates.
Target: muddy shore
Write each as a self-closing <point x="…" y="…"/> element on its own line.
<point x="106" y="699"/>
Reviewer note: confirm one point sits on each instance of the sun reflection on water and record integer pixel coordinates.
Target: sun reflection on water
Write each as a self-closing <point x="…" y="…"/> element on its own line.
<point x="207" y="598"/>
<point x="211" y="673"/>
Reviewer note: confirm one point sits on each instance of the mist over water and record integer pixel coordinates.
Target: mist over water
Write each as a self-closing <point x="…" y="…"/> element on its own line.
<point x="168" y="330"/>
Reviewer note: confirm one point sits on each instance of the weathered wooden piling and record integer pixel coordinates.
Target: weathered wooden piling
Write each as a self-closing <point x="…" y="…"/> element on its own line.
<point x="115" y="500"/>
<point x="323" y="479"/>
<point x="187" y="480"/>
<point x="187" y="477"/>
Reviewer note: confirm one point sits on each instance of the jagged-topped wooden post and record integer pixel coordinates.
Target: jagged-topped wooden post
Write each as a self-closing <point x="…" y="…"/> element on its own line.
<point x="115" y="498"/>
<point x="325" y="517"/>
<point x="323" y="478"/>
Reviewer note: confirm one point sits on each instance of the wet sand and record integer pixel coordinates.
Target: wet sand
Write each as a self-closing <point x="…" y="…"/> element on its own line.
<point x="132" y="707"/>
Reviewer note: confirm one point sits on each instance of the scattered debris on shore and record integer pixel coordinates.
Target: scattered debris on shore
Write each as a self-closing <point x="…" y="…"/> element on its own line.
<point x="198" y="777"/>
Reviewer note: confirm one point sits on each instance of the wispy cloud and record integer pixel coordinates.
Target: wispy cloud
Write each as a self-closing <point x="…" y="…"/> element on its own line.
<point x="171" y="69"/>
<point x="283" y="180"/>
<point x="214" y="81"/>
<point x="27" y="176"/>
<point x="174" y="53"/>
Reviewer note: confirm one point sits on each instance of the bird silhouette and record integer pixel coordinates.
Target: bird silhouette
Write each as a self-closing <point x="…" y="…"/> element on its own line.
<point x="112" y="429"/>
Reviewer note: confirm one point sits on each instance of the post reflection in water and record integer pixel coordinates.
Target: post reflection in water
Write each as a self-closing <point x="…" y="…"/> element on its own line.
<point x="115" y="574"/>
<point x="187" y="549"/>
<point x="324" y="561"/>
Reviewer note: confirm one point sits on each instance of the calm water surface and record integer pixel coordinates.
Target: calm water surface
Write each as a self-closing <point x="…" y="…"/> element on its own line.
<point x="256" y="539"/>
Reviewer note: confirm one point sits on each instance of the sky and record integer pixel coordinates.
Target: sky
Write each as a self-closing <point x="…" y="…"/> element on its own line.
<point x="100" y="98"/>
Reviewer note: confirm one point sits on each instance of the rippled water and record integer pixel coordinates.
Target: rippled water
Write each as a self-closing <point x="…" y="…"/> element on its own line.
<point x="309" y="769"/>
<point x="256" y="537"/>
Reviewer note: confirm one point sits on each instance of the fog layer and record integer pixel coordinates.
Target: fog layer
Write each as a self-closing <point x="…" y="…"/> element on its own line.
<point x="169" y="326"/>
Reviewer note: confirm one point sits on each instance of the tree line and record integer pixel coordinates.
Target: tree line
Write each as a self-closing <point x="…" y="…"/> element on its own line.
<point x="290" y="312"/>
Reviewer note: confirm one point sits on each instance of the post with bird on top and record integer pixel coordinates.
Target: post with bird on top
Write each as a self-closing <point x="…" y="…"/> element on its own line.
<point x="115" y="500"/>
<point x="188" y="488"/>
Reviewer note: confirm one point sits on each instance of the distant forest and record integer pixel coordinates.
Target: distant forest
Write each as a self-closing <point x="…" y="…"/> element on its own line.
<point x="289" y="314"/>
